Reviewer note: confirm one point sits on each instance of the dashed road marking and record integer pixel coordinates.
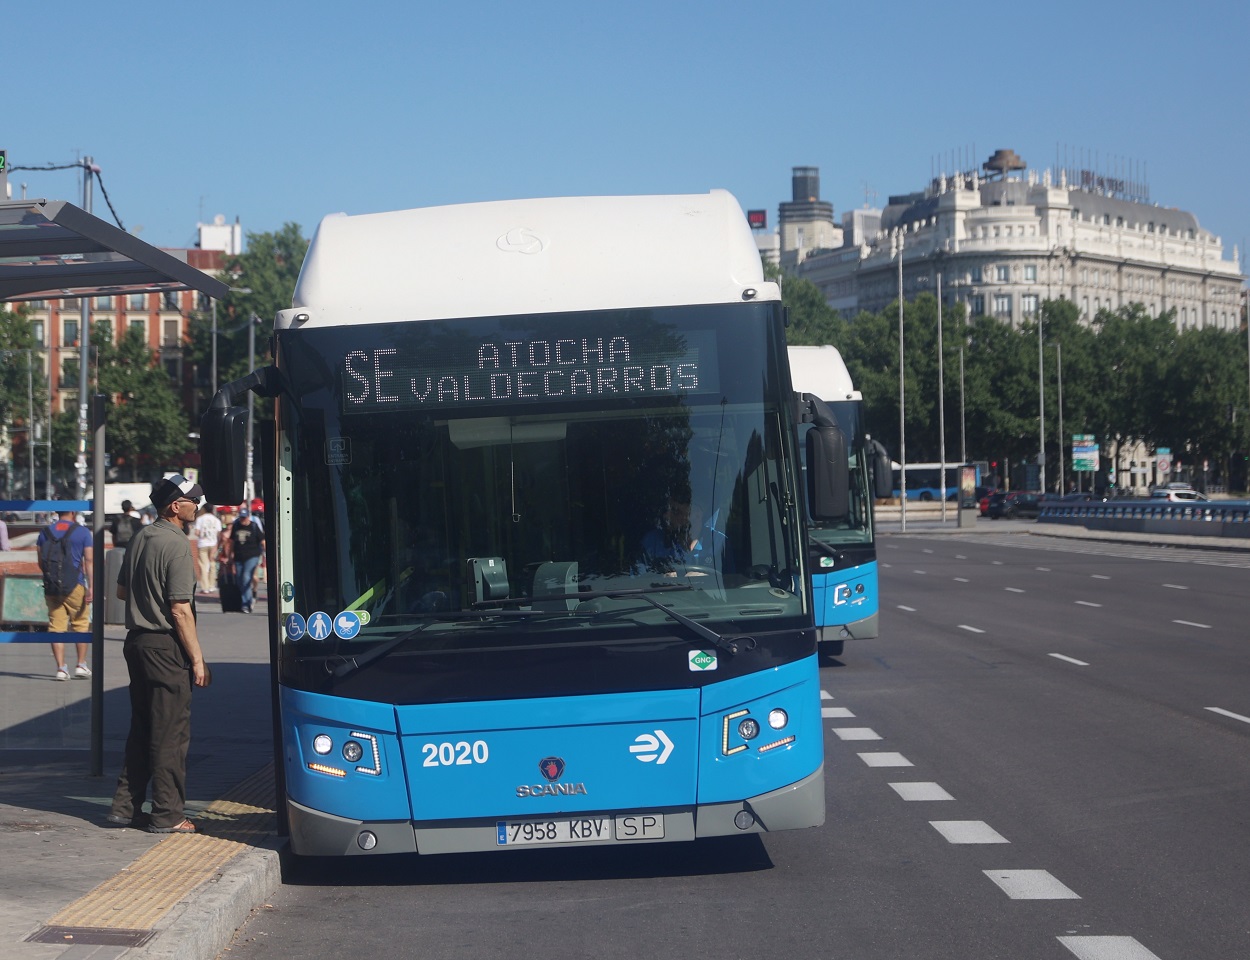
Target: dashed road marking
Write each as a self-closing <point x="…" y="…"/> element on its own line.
<point x="1190" y="623"/>
<point x="1100" y="576"/>
<point x="924" y="790"/>
<point x="835" y="713"/>
<point x="967" y="831"/>
<point x="885" y="760"/>
<point x="1060" y="656"/>
<point x="826" y="695"/>
<point x="856" y="733"/>
<point x="1087" y="603"/>
<point x="921" y="572"/>
<point x="962" y="580"/>
<point x="1013" y="589"/>
<point x="1228" y="713"/>
<point x="908" y="609"/>
<point x="1044" y="569"/>
<point x="1175" y="586"/>
<point x="964" y="626"/>
<point x="1107" y="948"/>
<point x="1031" y="885"/>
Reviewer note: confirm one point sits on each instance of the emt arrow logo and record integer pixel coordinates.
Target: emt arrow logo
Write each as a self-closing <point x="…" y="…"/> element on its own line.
<point x="647" y="747"/>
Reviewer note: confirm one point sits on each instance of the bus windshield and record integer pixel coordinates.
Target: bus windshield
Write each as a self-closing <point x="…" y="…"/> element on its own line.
<point x="465" y="489"/>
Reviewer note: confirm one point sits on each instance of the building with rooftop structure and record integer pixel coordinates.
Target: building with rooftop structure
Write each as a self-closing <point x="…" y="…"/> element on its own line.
<point x="1005" y="238"/>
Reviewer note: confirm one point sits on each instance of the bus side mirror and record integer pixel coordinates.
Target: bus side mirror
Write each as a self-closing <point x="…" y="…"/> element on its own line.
<point x="828" y="488"/>
<point x="223" y="454"/>
<point x="882" y="473"/>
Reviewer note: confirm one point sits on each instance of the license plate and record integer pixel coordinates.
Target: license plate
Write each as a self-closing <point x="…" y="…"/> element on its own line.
<point x="518" y="833"/>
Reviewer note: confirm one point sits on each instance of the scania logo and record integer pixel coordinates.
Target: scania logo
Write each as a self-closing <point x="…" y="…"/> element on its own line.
<point x="520" y="240"/>
<point x="551" y="768"/>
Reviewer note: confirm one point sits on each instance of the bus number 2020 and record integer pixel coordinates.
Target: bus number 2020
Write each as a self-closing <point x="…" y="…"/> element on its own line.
<point x="455" y="754"/>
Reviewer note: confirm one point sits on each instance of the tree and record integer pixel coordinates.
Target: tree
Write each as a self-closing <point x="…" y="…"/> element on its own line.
<point x="22" y="385"/>
<point x="147" y="427"/>
<point x="269" y="269"/>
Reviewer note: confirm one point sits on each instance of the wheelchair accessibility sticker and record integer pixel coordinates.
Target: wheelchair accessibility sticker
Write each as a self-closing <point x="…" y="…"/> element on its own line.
<point x="295" y="626"/>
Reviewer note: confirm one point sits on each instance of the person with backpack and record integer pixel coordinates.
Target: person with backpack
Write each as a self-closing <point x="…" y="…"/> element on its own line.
<point x="66" y="559"/>
<point x="125" y="525"/>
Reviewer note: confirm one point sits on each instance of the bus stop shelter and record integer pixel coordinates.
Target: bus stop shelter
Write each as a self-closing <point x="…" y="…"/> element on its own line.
<point x="54" y="250"/>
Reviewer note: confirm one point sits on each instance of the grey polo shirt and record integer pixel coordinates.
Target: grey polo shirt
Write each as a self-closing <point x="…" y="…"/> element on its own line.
<point x="158" y="569"/>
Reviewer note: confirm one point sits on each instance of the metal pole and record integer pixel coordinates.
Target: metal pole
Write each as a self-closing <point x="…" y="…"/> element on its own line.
<point x="97" y="604"/>
<point x="963" y="437"/>
<point x="1059" y="361"/>
<point x="214" y="301"/>
<point x="1041" y="413"/>
<point x="47" y="482"/>
<point x="252" y="320"/>
<point x="84" y="355"/>
<point x="941" y="400"/>
<point x="902" y="401"/>
<point x="30" y="418"/>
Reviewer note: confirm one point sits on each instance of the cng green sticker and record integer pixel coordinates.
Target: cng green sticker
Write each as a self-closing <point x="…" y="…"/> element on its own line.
<point x="702" y="660"/>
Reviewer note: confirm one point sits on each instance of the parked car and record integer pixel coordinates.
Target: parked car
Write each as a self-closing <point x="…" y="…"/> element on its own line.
<point x="1014" y="504"/>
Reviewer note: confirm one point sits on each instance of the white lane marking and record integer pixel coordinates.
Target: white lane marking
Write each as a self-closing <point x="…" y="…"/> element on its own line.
<point x="908" y="609"/>
<point x="1031" y="885"/>
<point x="826" y="695"/>
<point x="1107" y="948"/>
<point x="967" y="831"/>
<point x="964" y="626"/>
<point x="1228" y="713"/>
<point x="1100" y="576"/>
<point x="926" y="550"/>
<point x="835" y="713"/>
<point x="1190" y="623"/>
<point x="1060" y="656"/>
<point x="998" y="563"/>
<point x="962" y="580"/>
<point x="856" y="733"/>
<point x="1175" y="586"/>
<point x="1013" y="589"/>
<point x="885" y="760"/>
<point x="921" y="572"/>
<point x="921" y="791"/>
<point x="1086" y="603"/>
<point x="960" y="556"/>
<point x="1044" y="569"/>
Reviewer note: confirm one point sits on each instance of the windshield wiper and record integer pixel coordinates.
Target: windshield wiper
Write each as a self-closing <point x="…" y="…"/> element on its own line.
<point x="730" y="645"/>
<point x="350" y="664"/>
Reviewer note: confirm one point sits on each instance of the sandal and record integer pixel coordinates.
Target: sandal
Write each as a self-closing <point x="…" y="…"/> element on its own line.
<point x="185" y="827"/>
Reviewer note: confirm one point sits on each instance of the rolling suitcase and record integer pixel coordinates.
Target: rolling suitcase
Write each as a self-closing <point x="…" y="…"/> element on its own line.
<point x="228" y="590"/>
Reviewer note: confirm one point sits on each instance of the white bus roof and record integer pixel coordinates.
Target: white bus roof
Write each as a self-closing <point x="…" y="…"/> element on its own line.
<point x="516" y="257"/>
<point x="820" y="371"/>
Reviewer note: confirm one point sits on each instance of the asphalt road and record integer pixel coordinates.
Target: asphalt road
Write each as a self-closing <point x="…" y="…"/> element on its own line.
<point x="1031" y="762"/>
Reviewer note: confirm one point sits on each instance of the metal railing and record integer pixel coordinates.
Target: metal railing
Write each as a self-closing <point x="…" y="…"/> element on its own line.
<point x="1205" y="518"/>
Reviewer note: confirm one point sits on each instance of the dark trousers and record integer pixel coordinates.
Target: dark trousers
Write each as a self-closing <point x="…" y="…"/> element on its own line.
<point x="160" y="728"/>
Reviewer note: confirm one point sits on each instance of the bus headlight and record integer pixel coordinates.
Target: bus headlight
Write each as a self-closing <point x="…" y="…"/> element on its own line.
<point x="322" y="744"/>
<point x="749" y="729"/>
<point x="777" y="718"/>
<point x="352" y="751"/>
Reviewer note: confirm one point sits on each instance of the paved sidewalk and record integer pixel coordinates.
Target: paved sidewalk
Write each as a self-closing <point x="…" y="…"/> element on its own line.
<point x="92" y="890"/>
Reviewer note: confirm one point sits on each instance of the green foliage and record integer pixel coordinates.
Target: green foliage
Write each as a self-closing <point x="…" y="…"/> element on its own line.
<point x="147" y="427"/>
<point x="1127" y="376"/>
<point x="269" y="269"/>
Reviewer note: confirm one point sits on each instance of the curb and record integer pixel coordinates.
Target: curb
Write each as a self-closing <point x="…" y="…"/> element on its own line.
<point x="205" y="924"/>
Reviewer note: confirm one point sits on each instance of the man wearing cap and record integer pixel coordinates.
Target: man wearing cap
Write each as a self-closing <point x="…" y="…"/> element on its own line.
<point x="162" y="650"/>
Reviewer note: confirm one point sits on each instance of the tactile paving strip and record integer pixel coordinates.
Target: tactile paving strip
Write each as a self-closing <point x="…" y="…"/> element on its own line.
<point x="136" y="899"/>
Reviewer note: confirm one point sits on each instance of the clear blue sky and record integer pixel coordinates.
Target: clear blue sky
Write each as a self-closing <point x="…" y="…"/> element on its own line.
<point x="287" y="111"/>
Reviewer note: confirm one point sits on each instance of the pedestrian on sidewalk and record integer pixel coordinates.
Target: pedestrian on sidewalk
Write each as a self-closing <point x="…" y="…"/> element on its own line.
<point x="163" y="655"/>
<point x="243" y="549"/>
<point x="125" y="525"/>
<point x="66" y="560"/>
<point x="207" y="537"/>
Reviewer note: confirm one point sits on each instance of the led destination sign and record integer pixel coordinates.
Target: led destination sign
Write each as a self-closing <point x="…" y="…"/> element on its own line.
<point x="530" y="370"/>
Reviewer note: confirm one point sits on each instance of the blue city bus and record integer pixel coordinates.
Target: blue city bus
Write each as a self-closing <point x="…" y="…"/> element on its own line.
<point x="924" y="481"/>
<point x="843" y="549"/>
<point x="537" y="557"/>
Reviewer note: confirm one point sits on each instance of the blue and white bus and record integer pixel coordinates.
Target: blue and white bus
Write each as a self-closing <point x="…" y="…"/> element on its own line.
<point x="843" y="549"/>
<point x="486" y="418"/>
<point x="925" y="483"/>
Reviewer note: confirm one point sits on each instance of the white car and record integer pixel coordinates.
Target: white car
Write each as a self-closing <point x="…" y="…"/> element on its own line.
<point x="1177" y="496"/>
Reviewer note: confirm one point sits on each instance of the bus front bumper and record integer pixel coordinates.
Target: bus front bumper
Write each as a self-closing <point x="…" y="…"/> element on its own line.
<point x="797" y="805"/>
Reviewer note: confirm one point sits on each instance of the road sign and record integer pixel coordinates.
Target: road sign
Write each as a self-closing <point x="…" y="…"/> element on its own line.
<point x="1163" y="460"/>
<point x="1084" y="452"/>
